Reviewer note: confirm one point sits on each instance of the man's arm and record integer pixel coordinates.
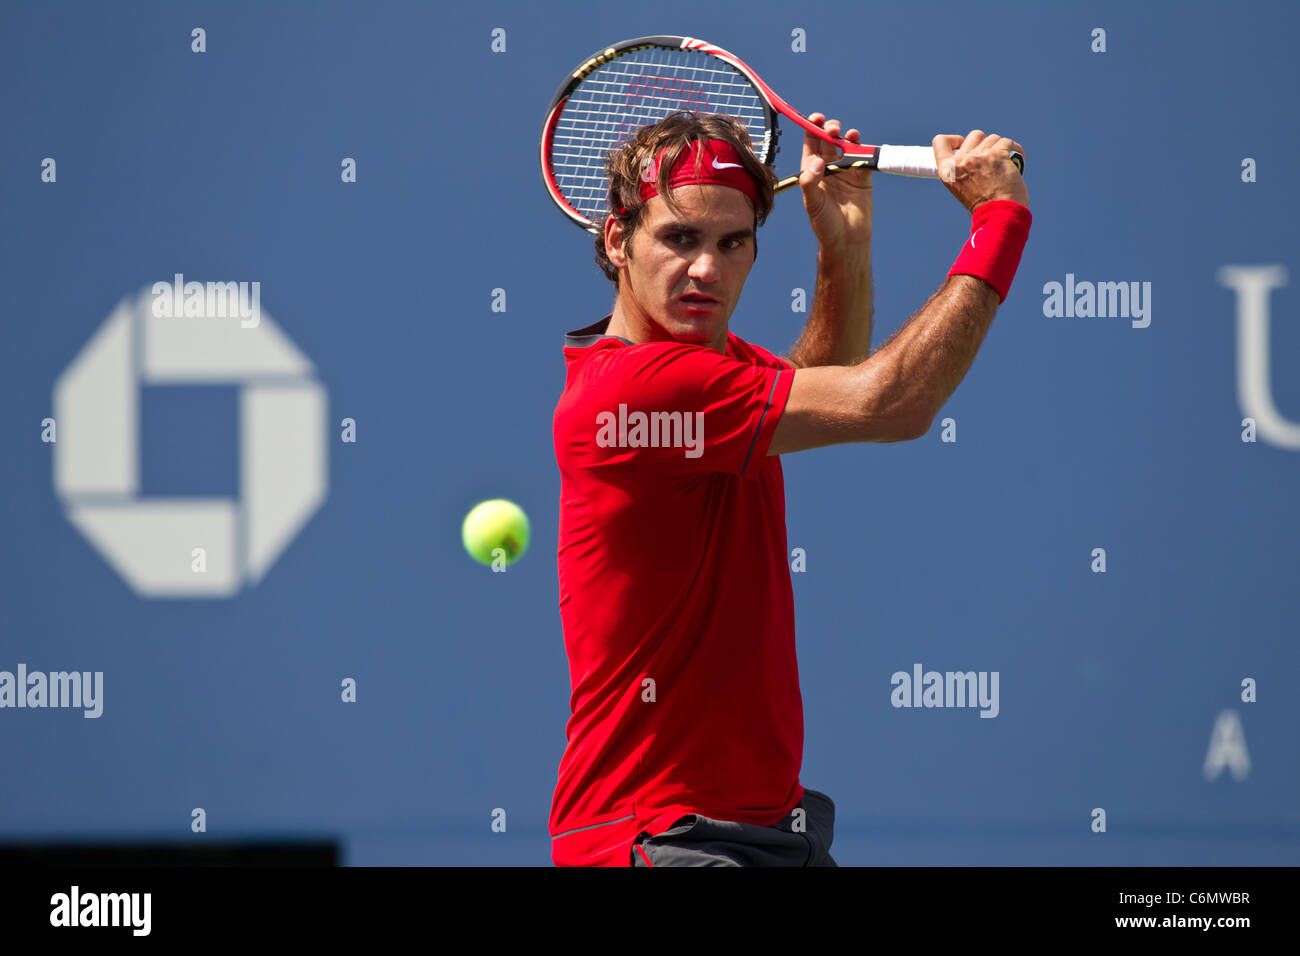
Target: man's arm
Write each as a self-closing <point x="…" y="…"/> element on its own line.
<point x="838" y="330"/>
<point x="895" y="394"/>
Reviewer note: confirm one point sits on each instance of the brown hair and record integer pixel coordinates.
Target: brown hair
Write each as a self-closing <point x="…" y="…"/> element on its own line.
<point x="674" y="132"/>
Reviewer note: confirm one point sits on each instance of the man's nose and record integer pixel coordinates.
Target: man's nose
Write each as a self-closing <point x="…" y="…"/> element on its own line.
<point x="704" y="268"/>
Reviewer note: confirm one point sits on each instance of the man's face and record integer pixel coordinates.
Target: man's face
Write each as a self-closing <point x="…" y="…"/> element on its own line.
<point x="687" y="269"/>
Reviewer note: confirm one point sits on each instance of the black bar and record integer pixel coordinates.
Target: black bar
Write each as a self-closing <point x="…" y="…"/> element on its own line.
<point x="976" y="904"/>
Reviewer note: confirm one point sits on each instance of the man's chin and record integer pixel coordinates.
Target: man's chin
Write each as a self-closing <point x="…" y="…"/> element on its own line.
<point x="695" y="337"/>
<point x="695" y="329"/>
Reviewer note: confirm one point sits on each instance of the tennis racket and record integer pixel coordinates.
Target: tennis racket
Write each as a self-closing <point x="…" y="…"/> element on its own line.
<point x="616" y="91"/>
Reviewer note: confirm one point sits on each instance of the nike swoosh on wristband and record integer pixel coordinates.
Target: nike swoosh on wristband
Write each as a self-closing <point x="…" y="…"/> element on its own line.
<point x="718" y="165"/>
<point x="974" y="234"/>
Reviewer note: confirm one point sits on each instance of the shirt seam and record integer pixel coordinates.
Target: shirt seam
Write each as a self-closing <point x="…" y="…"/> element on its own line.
<point x="762" y="419"/>
<point x="630" y="816"/>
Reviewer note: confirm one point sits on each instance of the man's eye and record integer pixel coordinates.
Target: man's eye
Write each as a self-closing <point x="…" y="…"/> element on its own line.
<point x="684" y="238"/>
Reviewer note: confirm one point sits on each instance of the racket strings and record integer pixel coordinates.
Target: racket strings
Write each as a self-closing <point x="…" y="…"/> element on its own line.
<point x="607" y="108"/>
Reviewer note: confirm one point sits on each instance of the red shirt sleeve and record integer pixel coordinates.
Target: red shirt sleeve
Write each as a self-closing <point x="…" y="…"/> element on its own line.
<point x="680" y="408"/>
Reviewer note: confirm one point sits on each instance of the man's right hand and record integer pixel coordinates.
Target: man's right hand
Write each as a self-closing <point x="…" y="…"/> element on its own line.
<point x="981" y="169"/>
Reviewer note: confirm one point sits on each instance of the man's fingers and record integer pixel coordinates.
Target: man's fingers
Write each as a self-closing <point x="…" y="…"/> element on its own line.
<point x="829" y="151"/>
<point x="812" y="143"/>
<point x="1002" y="145"/>
<point x="814" y="167"/>
<point x="1009" y="146"/>
<point x="943" y="145"/>
<point x="833" y="126"/>
<point x="993" y="143"/>
<point x="971" y="142"/>
<point x="976" y="141"/>
<point x="818" y="120"/>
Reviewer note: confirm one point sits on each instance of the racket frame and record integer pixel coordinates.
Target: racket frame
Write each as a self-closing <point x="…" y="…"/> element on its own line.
<point x="766" y="151"/>
<point x="856" y="155"/>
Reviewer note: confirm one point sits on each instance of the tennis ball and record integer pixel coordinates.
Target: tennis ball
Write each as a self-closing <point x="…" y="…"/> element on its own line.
<point x="495" y="524"/>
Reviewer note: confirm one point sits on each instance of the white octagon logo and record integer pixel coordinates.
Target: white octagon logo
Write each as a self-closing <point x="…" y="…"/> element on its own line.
<point x="283" y="456"/>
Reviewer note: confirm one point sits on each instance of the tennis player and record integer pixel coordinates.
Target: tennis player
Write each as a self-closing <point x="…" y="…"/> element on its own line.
<point x="686" y="735"/>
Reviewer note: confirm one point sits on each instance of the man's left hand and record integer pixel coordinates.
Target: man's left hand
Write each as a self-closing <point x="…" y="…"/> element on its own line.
<point x="839" y="206"/>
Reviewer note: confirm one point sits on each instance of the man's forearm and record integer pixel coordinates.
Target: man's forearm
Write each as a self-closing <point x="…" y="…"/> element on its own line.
<point x="926" y="359"/>
<point x="838" y="330"/>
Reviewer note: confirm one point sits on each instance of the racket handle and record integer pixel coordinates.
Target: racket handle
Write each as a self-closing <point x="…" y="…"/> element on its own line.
<point x="907" y="161"/>
<point x="919" y="161"/>
<point x="915" y="161"/>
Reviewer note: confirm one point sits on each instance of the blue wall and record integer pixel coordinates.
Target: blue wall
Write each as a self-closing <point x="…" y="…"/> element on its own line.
<point x="1072" y="433"/>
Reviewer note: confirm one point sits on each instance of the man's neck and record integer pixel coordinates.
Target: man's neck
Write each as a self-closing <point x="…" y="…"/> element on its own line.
<point x="629" y="321"/>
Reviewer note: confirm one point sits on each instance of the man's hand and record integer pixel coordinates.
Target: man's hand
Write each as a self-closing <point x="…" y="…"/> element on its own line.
<point x="839" y="207"/>
<point x="981" y="169"/>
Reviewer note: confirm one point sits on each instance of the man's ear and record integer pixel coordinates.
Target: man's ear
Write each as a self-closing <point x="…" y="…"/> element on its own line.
<point x="614" y="243"/>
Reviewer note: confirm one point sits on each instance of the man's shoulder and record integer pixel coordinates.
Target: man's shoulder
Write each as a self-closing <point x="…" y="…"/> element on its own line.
<point x="754" y="354"/>
<point x="594" y="343"/>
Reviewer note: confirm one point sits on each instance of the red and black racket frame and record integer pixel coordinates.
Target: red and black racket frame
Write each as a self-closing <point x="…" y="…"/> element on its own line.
<point x="856" y="155"/>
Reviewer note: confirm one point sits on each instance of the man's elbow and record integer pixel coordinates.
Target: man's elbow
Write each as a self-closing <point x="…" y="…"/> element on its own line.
<point x="886" y="429"/>
<point x="905" y="414"/>
<point x="913" y="427"/>
<point x="911" y="432"/>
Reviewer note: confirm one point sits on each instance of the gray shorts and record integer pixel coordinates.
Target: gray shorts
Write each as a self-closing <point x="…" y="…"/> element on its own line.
<point x="697" y="840"/>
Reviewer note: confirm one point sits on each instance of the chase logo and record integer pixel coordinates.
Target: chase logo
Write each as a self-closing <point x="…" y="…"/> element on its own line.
<point x="282" y="443"/>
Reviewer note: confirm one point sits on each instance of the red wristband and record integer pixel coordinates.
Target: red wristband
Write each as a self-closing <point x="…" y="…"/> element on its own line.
<point x="998" y="232"/>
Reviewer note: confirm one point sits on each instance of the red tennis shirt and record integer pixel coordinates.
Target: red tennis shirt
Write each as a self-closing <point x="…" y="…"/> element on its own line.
<point x="675" y="593"/>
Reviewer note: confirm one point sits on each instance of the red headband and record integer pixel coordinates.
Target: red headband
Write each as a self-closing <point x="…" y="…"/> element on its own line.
<point x="720" y="166"/>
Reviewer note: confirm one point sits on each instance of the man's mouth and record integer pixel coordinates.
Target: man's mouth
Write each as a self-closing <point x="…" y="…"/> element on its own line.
<point x="696" y="298"/>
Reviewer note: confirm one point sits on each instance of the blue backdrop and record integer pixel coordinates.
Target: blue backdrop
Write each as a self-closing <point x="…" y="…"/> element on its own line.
<point x="1073" y="433"/>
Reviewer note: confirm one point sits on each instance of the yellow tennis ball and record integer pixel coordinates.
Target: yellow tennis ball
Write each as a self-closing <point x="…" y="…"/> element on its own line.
<point x="495" y="524"/>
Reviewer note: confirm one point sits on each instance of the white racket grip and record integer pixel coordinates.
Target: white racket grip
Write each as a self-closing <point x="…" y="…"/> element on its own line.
<point x="908" y="161"/>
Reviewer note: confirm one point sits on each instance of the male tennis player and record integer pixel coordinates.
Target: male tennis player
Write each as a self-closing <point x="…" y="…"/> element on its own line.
<point x="686" y="735"/>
